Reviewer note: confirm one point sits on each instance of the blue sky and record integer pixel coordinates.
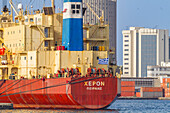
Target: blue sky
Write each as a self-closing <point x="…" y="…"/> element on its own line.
<point x="139" y="13"/>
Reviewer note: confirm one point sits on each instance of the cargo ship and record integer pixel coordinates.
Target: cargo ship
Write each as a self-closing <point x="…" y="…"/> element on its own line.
<point x="47" y="62"/>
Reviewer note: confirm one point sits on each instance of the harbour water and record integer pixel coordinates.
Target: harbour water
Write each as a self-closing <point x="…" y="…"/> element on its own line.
<point x="120" y="106"/>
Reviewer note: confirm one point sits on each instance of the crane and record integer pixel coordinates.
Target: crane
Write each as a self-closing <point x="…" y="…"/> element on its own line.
<point x="12" y="5"/>
<point x="101" y="19"/>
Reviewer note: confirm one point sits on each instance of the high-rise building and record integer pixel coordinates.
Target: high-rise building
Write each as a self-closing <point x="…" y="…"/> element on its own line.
<point x="169" y="48"/>
<point x="143" y="47"/>
<point x="109" y="8"/>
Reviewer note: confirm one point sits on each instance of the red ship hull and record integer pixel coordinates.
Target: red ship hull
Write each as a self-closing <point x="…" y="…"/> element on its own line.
<point x="70" y="93"/>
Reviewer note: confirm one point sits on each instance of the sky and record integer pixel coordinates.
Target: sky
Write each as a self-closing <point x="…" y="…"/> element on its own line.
<point x="135" y="13"/>
<point x="140" y="13"/>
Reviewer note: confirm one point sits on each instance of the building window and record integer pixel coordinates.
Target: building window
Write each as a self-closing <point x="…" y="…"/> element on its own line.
<point x="126" y="35"/>
<point x="25" y="58"/>
<point x="126" y="63"/>
<point x="19" y="31"/>
<point x="19" y="44"/>
<point x="150" y="69"/>
<point x="126" y="49"/>
<point x="10" y="45"/>
<point x="126" y="45"/>
<point x="126" y="54"/>
<point x="16" y="45"/>
<point x="31" y="58"/>
<point x="126" y="59"/>
<point x="126" y="72"/>
<point x="126" y="68"/>
<point x="148" y="52"/>
<point x="126" y="40"/>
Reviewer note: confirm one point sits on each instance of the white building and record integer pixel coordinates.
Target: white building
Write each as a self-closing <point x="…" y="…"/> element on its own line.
<point x="159" y="70"/>
<point x="110" y="8"/>
<point x="143" y="47"/>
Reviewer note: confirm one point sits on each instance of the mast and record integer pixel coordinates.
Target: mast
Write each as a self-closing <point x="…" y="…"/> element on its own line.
<point x="52" y="3"/>
<point x="11" y="12"/>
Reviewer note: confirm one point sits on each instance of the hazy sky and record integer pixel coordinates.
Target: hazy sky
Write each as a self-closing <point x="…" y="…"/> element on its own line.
<point x="139" y="13"/>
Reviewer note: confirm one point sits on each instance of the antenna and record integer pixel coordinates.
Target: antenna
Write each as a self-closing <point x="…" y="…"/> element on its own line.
<point x="44" y="4"/>
<point x="155" y="27"/>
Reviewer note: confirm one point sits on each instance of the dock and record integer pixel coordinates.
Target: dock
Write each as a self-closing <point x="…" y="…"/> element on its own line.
<point x="6" y="106"/>
<point x="164" y="98"/>
<point x="136" y="98"/>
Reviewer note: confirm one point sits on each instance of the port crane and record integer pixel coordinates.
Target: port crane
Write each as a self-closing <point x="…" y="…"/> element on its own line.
<point x="101" y="19"/>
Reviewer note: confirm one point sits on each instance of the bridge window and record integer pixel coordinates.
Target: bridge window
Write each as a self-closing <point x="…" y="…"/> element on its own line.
<point x="72" y="6"/>
<point x="77" y="11"/>
<point x="73" y="11"/>
<point x="78" y="6"/>
<point x="75" y="8"/>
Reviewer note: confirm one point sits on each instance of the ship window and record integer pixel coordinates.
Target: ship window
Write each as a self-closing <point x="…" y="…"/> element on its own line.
<point x="77" y="11"/>
<point x="26" y="20"/>
<point x="73" y="11"/>
<point x="31" y="20"/>
<point x="4" y="20"/>
<point x="78" y="6"/>
<point x="72" y="6"/>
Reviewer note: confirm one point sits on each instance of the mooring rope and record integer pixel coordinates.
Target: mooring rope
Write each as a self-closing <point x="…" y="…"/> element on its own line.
<point x="23" y="85"/>
<point x="10" y="87"/>
<point x="51" y="86"/>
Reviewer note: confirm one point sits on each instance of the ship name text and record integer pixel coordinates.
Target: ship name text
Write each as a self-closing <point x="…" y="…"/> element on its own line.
<point x="94" y="85"/>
